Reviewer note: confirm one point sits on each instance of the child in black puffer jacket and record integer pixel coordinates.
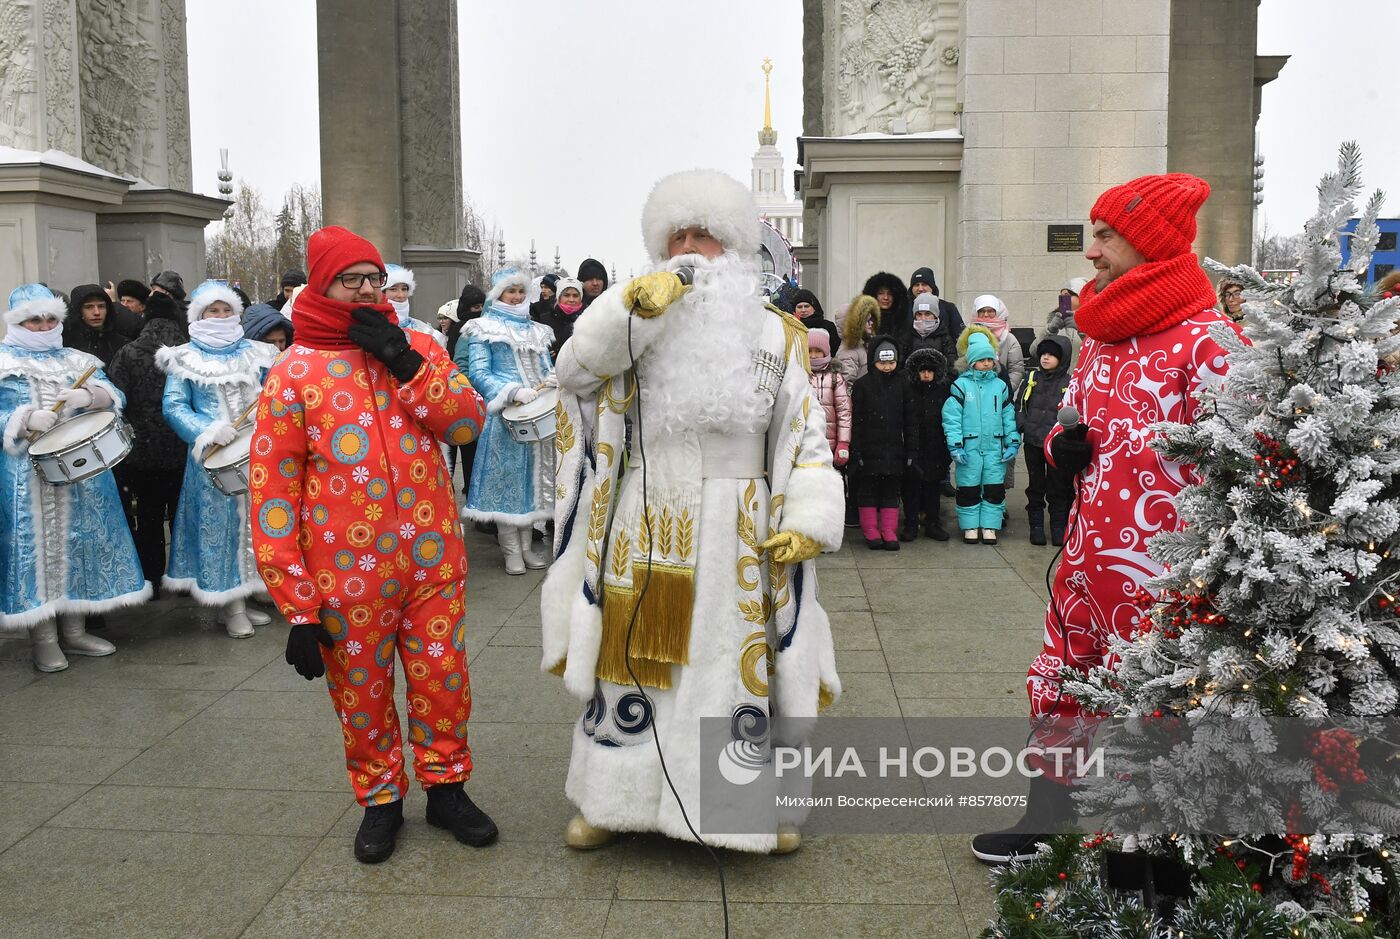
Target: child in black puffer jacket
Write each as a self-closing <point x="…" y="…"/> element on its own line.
<point x="1038" y="403"/>
<point x="884" y="442"/>
<point x="923" y="483"/>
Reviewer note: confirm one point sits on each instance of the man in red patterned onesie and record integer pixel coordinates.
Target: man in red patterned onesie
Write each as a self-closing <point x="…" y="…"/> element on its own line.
<point x="1147" y="351"/>
<point x="357" y="538"/>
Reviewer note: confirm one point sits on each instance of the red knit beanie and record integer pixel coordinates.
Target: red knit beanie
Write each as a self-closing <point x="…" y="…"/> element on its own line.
<point x="1157" y="214"/>
<point x="330" y="250"/>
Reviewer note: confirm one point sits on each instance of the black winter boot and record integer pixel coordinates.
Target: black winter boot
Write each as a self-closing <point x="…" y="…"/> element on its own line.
<point x="1057" y="532"/>
<point x="935" y="530"/>
<point x="374" y="842"/>
<point x="1049" y="810"/>
<point x="910" y="531"/>
<point x="451" y="808"/>
<point x="1037" y="527"/>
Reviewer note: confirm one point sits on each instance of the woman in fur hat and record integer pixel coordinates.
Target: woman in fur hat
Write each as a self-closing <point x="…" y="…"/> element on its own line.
<point x="893" y="298"/>
<point x="507" y="361"/>
<point x="860" y="324"/>
<point x="210" y="381"/>
<point x="66" y="550"/>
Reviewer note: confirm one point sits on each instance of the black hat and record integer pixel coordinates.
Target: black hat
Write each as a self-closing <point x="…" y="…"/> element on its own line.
<point x="171" y="282"/>
<point x="924" y="275"/>
<point x="550" y="279"/>
<point x="592" y="269"/>
<point x="133" y="288"/>
<point x="293" y="279"/>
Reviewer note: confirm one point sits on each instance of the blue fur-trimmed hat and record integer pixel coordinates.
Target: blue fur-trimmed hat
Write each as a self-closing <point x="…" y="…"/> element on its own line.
<point x="34" y="301"/>
<point x="506" y="277"/>
<point x="207" y="293"/>
<point x="398" y="274"/>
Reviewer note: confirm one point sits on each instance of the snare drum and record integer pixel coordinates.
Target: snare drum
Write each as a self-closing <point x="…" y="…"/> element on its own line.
<point x="228" y="465"/>
<point x="81" y="447"/>
<point x="532" y="422"/>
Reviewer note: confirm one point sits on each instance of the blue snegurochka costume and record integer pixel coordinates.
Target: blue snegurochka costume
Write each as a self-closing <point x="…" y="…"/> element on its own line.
<point x="512" y="482"/>
<point x="66" y="550"/>
<point x="211" y="554"/>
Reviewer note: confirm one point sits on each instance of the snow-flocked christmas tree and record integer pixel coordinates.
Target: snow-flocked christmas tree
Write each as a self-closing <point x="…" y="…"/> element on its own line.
<point x="1281" y="603"/>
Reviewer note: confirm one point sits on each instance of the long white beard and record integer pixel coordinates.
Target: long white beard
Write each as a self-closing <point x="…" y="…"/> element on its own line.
<point x="699" y="374"/>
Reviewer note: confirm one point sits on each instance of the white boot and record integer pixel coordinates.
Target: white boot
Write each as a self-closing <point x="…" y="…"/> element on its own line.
<point x="234" y="616"/>
<point x="508" y="536"/>
<point x="255" y="616"/>
<point x="533" y="559"/>
<point x="74" y="639"/>
<point x="43" y="644"/>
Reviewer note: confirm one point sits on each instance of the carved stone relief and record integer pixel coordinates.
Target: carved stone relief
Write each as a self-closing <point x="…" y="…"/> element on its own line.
<point x="176" y="97"/>
<point x="118" y="70"/>
<point x="892" y="62"/>
<point x="19" y="80"/>
<point x="429" y="123"/>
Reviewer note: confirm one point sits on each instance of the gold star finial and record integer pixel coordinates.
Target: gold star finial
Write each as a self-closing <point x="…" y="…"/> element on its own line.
<point x="767" y="136"/>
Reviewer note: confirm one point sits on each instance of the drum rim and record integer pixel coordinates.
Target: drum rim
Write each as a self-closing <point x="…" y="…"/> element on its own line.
<point x="113" y="421"/>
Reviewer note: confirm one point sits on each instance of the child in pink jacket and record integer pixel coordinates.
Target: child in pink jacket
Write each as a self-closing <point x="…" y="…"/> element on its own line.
<point x="834" y="394"/>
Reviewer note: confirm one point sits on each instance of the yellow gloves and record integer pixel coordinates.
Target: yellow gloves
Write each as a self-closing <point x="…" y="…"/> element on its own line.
<point x="791" y="547"/>
<point x="651" y="294"/>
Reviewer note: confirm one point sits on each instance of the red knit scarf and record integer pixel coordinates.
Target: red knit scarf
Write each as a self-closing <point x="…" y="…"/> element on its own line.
<point x="321" y="323"/>
<point x="1148" y="299"/>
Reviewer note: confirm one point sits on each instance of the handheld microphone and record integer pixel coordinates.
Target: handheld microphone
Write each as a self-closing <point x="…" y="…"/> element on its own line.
<point x="686" y="274"/>
<point x="1068" y="418"/>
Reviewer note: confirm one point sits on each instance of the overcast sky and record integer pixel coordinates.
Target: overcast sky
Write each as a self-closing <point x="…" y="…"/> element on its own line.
<point x="571" y="110"/>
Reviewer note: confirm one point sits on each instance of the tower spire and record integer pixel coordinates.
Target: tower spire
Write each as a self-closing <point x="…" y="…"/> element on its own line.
<point x="767" y="137"/>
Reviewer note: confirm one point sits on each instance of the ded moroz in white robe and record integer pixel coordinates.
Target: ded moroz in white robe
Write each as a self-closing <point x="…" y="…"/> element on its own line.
<point x="759" y="645"/>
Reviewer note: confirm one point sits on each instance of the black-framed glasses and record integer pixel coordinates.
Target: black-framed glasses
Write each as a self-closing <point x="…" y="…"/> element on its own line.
<point x="354" y="281"/>
<point x="1233" y="294"/>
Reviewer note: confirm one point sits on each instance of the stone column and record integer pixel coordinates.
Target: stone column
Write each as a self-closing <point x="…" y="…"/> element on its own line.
<point x="357" y="45"/>
<point x="402" y="187"/>
<point x="1210" y="131"/>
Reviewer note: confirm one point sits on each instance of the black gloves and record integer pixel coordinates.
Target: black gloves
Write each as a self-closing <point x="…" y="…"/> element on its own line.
<point x="302" y="652"/>
<point x="385" y="341"/>
<point x="1072" y="452"/>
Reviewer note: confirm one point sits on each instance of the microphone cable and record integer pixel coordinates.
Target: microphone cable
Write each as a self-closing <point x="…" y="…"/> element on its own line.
<point x="631" y="625"/>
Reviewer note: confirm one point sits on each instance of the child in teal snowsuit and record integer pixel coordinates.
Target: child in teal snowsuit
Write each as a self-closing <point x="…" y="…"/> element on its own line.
<point x="980" y="425"/>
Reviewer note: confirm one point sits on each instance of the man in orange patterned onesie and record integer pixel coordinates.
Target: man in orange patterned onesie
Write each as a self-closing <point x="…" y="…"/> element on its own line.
<point x="356" y="534"/>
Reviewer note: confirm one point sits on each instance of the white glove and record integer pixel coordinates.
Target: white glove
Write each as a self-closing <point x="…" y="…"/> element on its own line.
<point x="42" y="420"/>
<point x="552" y="381"/>
<point x="75" y="399"/>
<point x="525" y="395"/>
<point x="220" y="433"/>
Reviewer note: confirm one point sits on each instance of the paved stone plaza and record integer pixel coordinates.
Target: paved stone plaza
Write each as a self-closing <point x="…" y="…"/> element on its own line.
<point x="193" y="785"/>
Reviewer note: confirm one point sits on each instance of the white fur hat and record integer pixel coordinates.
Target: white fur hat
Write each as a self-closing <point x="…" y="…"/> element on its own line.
<point x="713" y="200"/>
<point x="506" y="277"/>
<point x="987" y="300"/>
<point x="34" y="301"/>
<point x="207" y="293"/>
<point x="567" y="283"/>
<point x="398" y="274"/>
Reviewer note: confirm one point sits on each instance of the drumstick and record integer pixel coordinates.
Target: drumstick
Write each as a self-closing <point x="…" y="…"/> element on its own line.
<point x="58" y="405"/>
<point x="237" y="423"/>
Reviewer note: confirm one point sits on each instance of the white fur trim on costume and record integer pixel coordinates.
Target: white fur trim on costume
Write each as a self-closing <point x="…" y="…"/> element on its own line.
<point x="206" y="439"/>
<point x="59" y="607"/>
<point x="585" y="639"/>
<point x="713" y="200"/>
<point x="503" y="518"/>
<point x="513" y="280"/>
<point x="599" y="341"/>
<point x="16" y="430"/>
<point x="503" y="399"/>
<point x="205" y="295"/>
<point x="210" y="597"/>
<point x="813" y="505"/>
<point x="557" y="593"/>
<point x="34" y="309"/>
